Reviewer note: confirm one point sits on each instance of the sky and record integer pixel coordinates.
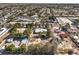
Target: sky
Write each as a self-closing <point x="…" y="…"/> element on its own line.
<point x="39" y="1"/>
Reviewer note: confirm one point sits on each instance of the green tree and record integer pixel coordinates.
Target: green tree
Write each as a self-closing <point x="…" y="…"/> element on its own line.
<point x="49" y="33"/>
<point x="42" y="34"/>
<point x="30" y="25"/>
<point x="67" y="25"/>
<point x="28" y="33"/>
<point x="47" y="49"/>
<point x="22" y="49"/>
<point x="63" y="28"/>
<point x="17" y="25"/>
<point x="34" y="49"/>
<point x="39" y="49"/>
<point x="11" y="49"/>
